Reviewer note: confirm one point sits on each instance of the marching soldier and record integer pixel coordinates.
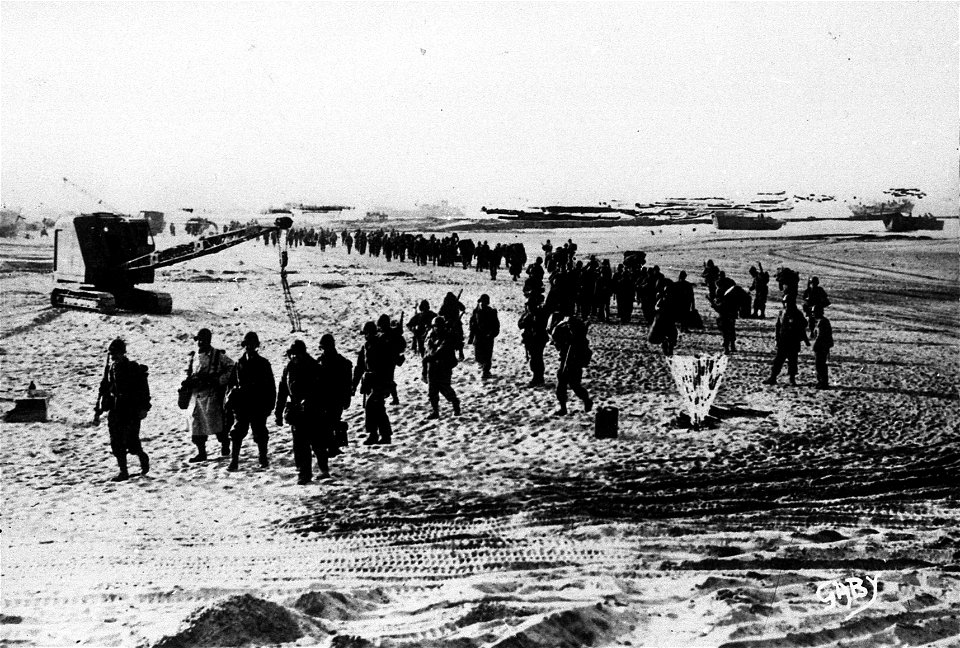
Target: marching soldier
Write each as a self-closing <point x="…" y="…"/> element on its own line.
<point x="452" y="310"/>
<point x="251" y="394"/>
<point x="440" y="360"/>
<point x="125" y="394"/>
<point x="419" y="326"/>
<point x="533" y="324"/>
<point x="335" y="389"/>
<point x="373" y="376"/>
<point x="297" y="405"/>
<point x="484" y="328"/>
<point x="570" y="339"/>
<point x="205" y="412"/>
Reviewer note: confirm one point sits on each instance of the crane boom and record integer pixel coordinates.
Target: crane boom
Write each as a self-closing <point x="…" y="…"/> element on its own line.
<point x="202" y="247"/>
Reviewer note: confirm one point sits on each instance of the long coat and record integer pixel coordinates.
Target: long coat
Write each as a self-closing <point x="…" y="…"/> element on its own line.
<point x="205" y="411"/>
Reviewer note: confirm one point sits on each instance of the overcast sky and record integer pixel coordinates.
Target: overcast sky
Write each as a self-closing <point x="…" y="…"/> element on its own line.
<point x="249" y="105"/>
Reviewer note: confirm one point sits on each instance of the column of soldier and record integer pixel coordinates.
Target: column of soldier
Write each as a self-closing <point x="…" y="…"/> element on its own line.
<point x="227" y="399"/>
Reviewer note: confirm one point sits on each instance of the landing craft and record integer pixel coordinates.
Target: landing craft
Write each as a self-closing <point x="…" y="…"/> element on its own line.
<point x="103" y="256"/>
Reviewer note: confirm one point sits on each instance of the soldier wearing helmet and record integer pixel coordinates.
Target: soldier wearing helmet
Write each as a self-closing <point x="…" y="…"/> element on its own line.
<point x="251" y="394"/>
<point x="439" y="362"/>
<point x="373" y="376"/>
<point x="125" y="394"/>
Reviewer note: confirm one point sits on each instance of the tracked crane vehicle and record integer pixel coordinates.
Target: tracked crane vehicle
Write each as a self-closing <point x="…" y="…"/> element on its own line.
<point x="99" y="258"/>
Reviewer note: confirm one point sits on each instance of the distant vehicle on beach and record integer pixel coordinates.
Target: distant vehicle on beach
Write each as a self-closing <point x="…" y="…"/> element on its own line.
<point x="156" y="220"/>
<point x="724" y="221"/>
<point x="897" y="222"/>
<point x="375" y="216"/>
<point x="9" y="222"/>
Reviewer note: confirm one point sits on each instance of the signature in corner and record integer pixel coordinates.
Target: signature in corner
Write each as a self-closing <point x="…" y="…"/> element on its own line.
<point x="851" y="589"/>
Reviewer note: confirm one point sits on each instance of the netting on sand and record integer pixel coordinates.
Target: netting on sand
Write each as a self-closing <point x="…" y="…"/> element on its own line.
<point x="698" y="379"/>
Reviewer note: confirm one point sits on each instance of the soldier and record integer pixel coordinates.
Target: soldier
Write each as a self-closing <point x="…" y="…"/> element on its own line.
<point x="251" y="394"/>
<point x="814" y="296"/>
<point x="205" y="412"/>
<point x="484" y="328"/>
<point x="372" y="375"/>
<point x="336" y="389"/>
<point x="570" y="339"/>
<point x="125" y="394"/>
<point x="788" y="280"/>
<point x="623" y="290"/>
<point x="728" y="301"/>
<point x="685" y="301"/>
<point x="822" y="343"/>
<point x="301" y="384"/>
<point x="493" y="260"/>
<point x="533" y="324"/>
<point x="664" y="331"/>
<point x="440" y="360"/>
<point x="393" y="334"/>
<point x="419" y="325"/>
<point x="710" y="274"/>
<point x="452" y="310"/>
<point x="791" y="331"/>
<point x="603" y="291"/>
<point x="467" y="248"/>
<point x="759" y="288"/>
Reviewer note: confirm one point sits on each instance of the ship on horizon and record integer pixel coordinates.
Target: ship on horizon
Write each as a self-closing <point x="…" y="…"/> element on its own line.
<point x="879" y="210"/>
<point x="741" y="221"/>
<point x="317" y="209"/>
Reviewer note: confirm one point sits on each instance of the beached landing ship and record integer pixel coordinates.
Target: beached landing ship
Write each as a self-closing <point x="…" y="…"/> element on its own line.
<point x="104" y="255"/>
<point x="897" y="222"/>
<point x="728" y="221"/>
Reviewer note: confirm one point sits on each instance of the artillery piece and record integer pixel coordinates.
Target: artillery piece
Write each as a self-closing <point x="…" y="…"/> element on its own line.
<point x="105" y="255"/>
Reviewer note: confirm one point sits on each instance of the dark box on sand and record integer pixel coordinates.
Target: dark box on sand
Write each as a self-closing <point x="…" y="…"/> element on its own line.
<point x="607" y="422"/>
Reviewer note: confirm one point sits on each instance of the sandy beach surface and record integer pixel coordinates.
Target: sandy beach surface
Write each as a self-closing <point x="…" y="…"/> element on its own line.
<point x="507" y="526"/>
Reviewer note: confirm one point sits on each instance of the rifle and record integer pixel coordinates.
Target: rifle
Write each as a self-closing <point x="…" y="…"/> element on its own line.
<point x="99" y="408"/>
<point x="461" y="303"/>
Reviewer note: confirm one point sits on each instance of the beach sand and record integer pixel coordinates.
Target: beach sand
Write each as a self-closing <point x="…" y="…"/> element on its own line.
<point x="506" y="526"/>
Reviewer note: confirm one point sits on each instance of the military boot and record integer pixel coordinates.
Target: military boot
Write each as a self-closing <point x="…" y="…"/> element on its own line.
<point x="264" y="462"/>
<point x="201" y="452"/>
<point x="234" y="457"/>
<point x="123" y="476"/>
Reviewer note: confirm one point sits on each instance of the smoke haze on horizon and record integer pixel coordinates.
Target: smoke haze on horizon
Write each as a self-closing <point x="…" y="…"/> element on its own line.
<point x="242" y="106"/>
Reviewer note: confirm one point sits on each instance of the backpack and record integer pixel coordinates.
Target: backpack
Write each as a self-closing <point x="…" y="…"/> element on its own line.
<point x="139" y="393"/>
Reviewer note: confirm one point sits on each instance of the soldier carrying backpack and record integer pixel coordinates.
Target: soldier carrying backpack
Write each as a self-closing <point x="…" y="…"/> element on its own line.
<point x="570" y="338"/>
<point x="125" y="394"/>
